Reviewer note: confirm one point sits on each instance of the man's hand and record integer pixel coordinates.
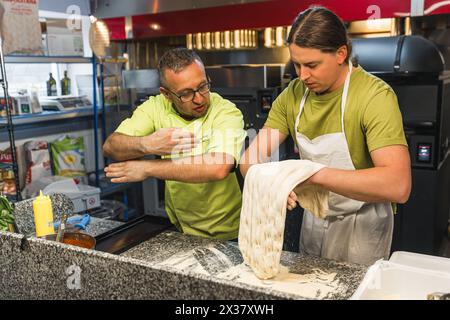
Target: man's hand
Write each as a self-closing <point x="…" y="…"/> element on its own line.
<point x="292" y="201"/>
<point x="170" y="140"/>
<point x="128" y="171"/>
<point x="165" y="141"/>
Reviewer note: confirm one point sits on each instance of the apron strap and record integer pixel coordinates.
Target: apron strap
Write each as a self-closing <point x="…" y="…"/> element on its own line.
<point x="345" y="94"/>
<point x="297" y="119"/>
<point x="343" y="100"/>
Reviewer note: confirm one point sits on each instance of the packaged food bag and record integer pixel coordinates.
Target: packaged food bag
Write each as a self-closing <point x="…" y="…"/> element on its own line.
<point x="68" y="156"/>
<point x="20" y="27"/>
<point x="7" y="180"/>
<point x="37" y="158"/>
<point x="12" y="106"/>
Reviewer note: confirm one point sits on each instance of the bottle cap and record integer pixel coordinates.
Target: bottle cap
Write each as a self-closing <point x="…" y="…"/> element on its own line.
<point x="42" y="197"/>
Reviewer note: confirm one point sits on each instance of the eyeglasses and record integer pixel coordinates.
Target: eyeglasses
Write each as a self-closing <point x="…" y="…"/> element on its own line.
<point x="189" y="95"/>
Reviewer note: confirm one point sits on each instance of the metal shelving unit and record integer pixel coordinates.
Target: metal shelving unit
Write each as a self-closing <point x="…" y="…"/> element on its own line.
<point x="46" y="59"/>
<point x="10" y="121"/>
<point x="48" y="116"/>
<point x="107" y="189"/>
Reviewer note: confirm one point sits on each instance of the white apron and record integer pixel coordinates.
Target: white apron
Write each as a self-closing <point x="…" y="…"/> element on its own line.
<point x="353" y="231"/>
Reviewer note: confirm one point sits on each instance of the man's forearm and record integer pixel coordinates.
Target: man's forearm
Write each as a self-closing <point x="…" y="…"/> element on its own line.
<point x="122" y="147"/>
<point x="205" y="168"/>
<point x="379" y="184"/>
<point x="260" y="150"/>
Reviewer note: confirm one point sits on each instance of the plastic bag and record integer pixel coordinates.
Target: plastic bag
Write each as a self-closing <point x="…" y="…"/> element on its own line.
<point x="68" y="156"/>
<point x="38" y="160"/>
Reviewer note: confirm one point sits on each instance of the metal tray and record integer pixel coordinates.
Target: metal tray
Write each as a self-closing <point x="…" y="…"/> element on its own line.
<point x="131" y="234"/>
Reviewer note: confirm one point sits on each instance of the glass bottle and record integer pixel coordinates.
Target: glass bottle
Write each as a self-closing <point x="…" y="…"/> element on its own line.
<point x="51" y="86"/>
<point x="65" y="84"/>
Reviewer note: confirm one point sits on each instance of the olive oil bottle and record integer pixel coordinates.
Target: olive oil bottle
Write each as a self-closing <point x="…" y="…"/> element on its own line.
<point x="51" y="86"/>
<point x="65" y="85"/>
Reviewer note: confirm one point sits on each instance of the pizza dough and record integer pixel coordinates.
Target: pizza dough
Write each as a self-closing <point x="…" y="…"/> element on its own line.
<point x="266" y="190"/>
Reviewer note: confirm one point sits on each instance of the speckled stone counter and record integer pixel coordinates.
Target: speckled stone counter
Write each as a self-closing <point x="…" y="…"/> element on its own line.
<point x="170" y="265"/>
<point x="98" y="226"/>
<point x="310" y="277"/>
<point x="41" y="269"/>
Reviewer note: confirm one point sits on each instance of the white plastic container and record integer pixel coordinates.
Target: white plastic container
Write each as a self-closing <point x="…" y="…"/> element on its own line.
<point x="406" y="276"/>
<point x="84" y="197"/>
<point x="423" y="261"/>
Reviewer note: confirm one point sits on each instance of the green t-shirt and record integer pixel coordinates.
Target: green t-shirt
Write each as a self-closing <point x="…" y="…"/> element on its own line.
<point x="209" y="209"/>
<point x="372" y="117"/>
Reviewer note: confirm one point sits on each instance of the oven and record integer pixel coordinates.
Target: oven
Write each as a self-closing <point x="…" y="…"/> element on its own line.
<point x="414" y="67"/>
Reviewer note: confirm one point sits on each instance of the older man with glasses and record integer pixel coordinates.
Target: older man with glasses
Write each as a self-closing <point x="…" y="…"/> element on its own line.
<point x="199" y="136"/>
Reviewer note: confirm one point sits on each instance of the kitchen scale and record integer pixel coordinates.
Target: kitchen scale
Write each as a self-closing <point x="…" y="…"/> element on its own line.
<point x="62" y="103"/>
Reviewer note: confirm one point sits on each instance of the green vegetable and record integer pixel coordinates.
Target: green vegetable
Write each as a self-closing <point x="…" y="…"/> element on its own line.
<point x="6" y="213"/>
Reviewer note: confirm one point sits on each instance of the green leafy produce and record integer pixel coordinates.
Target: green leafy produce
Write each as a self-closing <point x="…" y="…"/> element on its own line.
<point x="6" y="213"/>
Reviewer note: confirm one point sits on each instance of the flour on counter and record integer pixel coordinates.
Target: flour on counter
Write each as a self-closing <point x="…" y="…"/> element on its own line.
<point x="315" y="285"/>
<point x="211" y="261"/>
<point x="183" y="261"/>
<point x="203" y="260"/>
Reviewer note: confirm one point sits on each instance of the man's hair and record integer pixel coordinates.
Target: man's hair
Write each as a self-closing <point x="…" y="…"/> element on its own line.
<point x="176" y="60"/>
<point x="319" y="28"/>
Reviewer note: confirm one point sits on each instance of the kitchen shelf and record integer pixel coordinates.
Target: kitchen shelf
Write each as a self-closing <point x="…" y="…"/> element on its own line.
<point x="47" y="59"/>
<point x="49" y="116"/>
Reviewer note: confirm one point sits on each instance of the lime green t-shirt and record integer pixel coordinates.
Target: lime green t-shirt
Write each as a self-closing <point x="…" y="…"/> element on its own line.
<point x="209" y="209"/>
<point x="372" y="117"/>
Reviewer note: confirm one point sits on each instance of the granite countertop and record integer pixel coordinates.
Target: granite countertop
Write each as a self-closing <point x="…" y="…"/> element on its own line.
<point x="309" y="277"/>
<point x="97" y="226"/>
<point x="170" y="265"/>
